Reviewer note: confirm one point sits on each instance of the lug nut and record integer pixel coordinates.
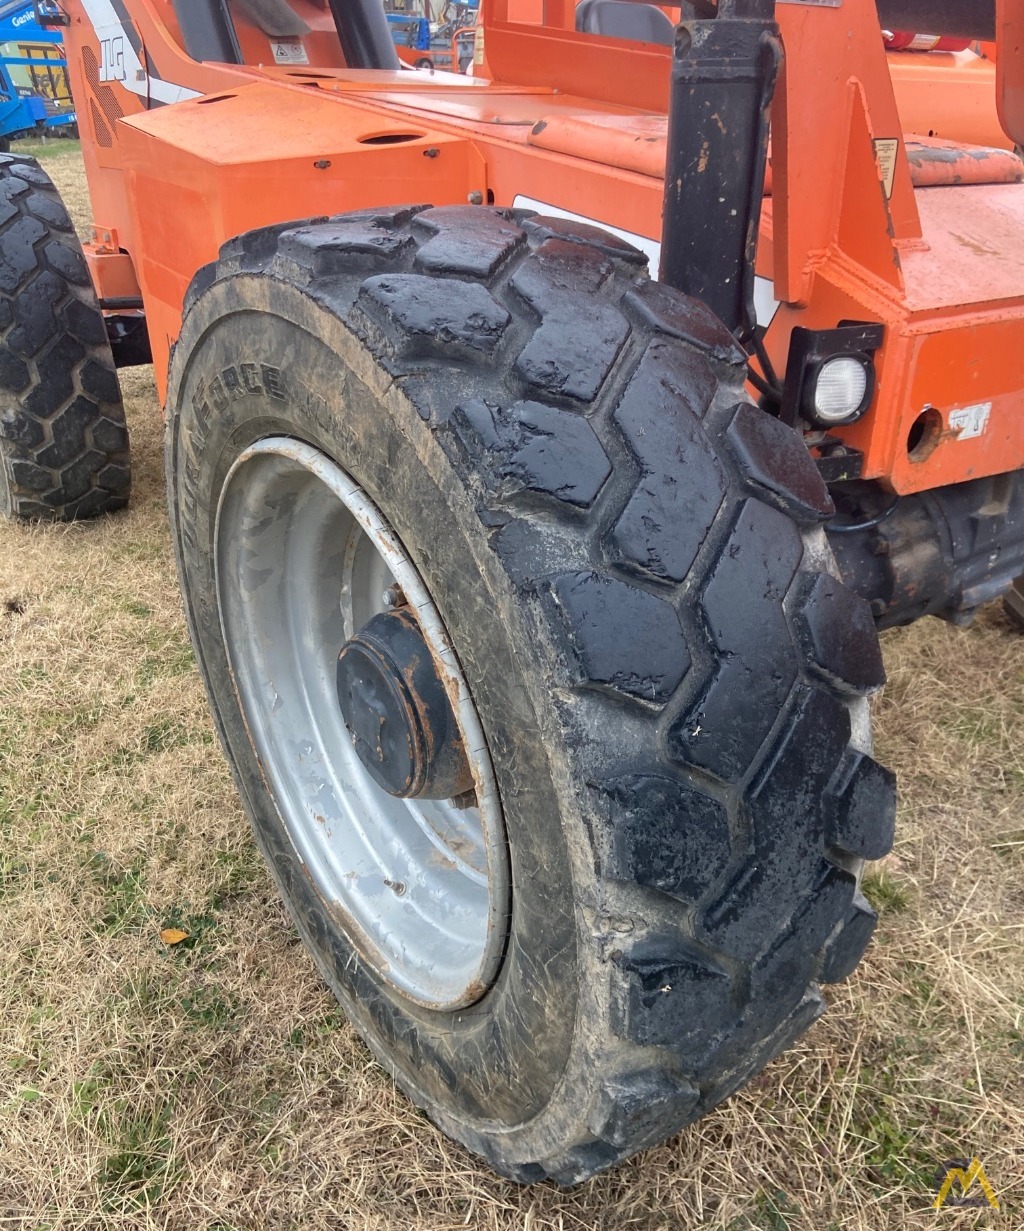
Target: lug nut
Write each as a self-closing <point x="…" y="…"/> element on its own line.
<point x="394" y="596"/>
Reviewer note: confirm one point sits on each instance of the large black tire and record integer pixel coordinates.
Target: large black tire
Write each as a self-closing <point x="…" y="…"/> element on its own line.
<point x="64" y="449"/>
<point x="629" y="559"/>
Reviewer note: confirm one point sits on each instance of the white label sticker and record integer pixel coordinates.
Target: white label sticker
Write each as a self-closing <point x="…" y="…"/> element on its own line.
<point x="886" y="149"/>
<point x="290" y="53"/>
<point x="970" y="421"/>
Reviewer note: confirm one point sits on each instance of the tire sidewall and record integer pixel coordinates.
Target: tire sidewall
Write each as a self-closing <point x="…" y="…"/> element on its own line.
<point x="501" y="1060"/>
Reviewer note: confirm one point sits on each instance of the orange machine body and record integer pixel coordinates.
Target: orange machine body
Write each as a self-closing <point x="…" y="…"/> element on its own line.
<point x="182" y="156"/>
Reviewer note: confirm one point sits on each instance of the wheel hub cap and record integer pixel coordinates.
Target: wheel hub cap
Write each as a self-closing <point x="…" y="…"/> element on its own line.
<point x="397" y="712"/>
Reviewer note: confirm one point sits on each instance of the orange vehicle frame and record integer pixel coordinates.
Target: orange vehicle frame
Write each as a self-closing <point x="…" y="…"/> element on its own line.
<point x="844" y="235"/>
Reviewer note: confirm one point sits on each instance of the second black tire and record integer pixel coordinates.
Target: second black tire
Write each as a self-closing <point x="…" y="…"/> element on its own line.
<point x="629" y="558"/>
<point x="64" y="451"/>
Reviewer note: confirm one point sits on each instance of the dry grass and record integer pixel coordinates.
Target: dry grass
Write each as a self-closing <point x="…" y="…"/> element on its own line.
<point x="216" y="1086"/>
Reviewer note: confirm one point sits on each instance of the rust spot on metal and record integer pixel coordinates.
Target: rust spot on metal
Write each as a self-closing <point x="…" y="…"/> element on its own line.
<point x="460" y="847"/>
<point x="475" y="991"/>
<point x="702" y="161"/>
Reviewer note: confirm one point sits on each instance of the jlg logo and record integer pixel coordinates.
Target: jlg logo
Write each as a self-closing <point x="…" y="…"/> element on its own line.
<point x="112" y="59"/>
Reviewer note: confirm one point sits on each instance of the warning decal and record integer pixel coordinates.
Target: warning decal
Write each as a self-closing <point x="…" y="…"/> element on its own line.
<point x="290" y="53"/>
<point x="970" y="421"/>
<point x="885" y="155"/>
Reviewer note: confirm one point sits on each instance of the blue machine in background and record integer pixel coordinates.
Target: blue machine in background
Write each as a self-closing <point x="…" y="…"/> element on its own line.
<point x="410" y="31"/>
<point x="425" y="43"/>
<point x="34" y="93"/>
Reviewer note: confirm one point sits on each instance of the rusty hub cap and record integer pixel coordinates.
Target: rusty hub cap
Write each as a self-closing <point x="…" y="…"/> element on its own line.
<point x="308" y="575"/>
<point x="397" y="713"/>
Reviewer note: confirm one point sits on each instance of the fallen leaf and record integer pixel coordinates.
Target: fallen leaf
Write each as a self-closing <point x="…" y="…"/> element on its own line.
<point x="173" y="936"/>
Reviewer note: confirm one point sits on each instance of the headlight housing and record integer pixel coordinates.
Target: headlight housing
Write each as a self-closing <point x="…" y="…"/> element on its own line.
<point x="830" y="374"/>
<point x="840" y="390"/>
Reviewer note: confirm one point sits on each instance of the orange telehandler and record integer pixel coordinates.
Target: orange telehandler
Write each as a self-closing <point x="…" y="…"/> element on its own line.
<point x="544" y="448"/>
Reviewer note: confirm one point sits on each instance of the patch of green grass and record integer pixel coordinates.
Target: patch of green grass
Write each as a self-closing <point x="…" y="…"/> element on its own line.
<point x="124" y="890"/>
<point x="141" y="550"/>
<point x="87" y="1096"/>
<point x="30" y="675"/>
<point x="88" y="715"/>
<point x="166" y="658"/>
<point x="918" y="986"/>
<point x="237" y="870"/>
<point x="207" y="1007"/>
<point x="49" y="149"/>
<point x="44" y="800"/>
<point x="145" y="993"/>
<point x="270" y="1104"/>
<point x="772" y="1211"/>
<point x="11" y="728"/>
<point x="139" y="1172"/>
<point x="890" y="1145"/>
<point x="12" y="872"/>
<point x="888" y="1126"/>
<point x="885" y="893"/>
<point x="316" y="1028"/>
<point x="329" y="1022"/>
<point x="163" y="735"/>
<point x="977" y="725"/>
